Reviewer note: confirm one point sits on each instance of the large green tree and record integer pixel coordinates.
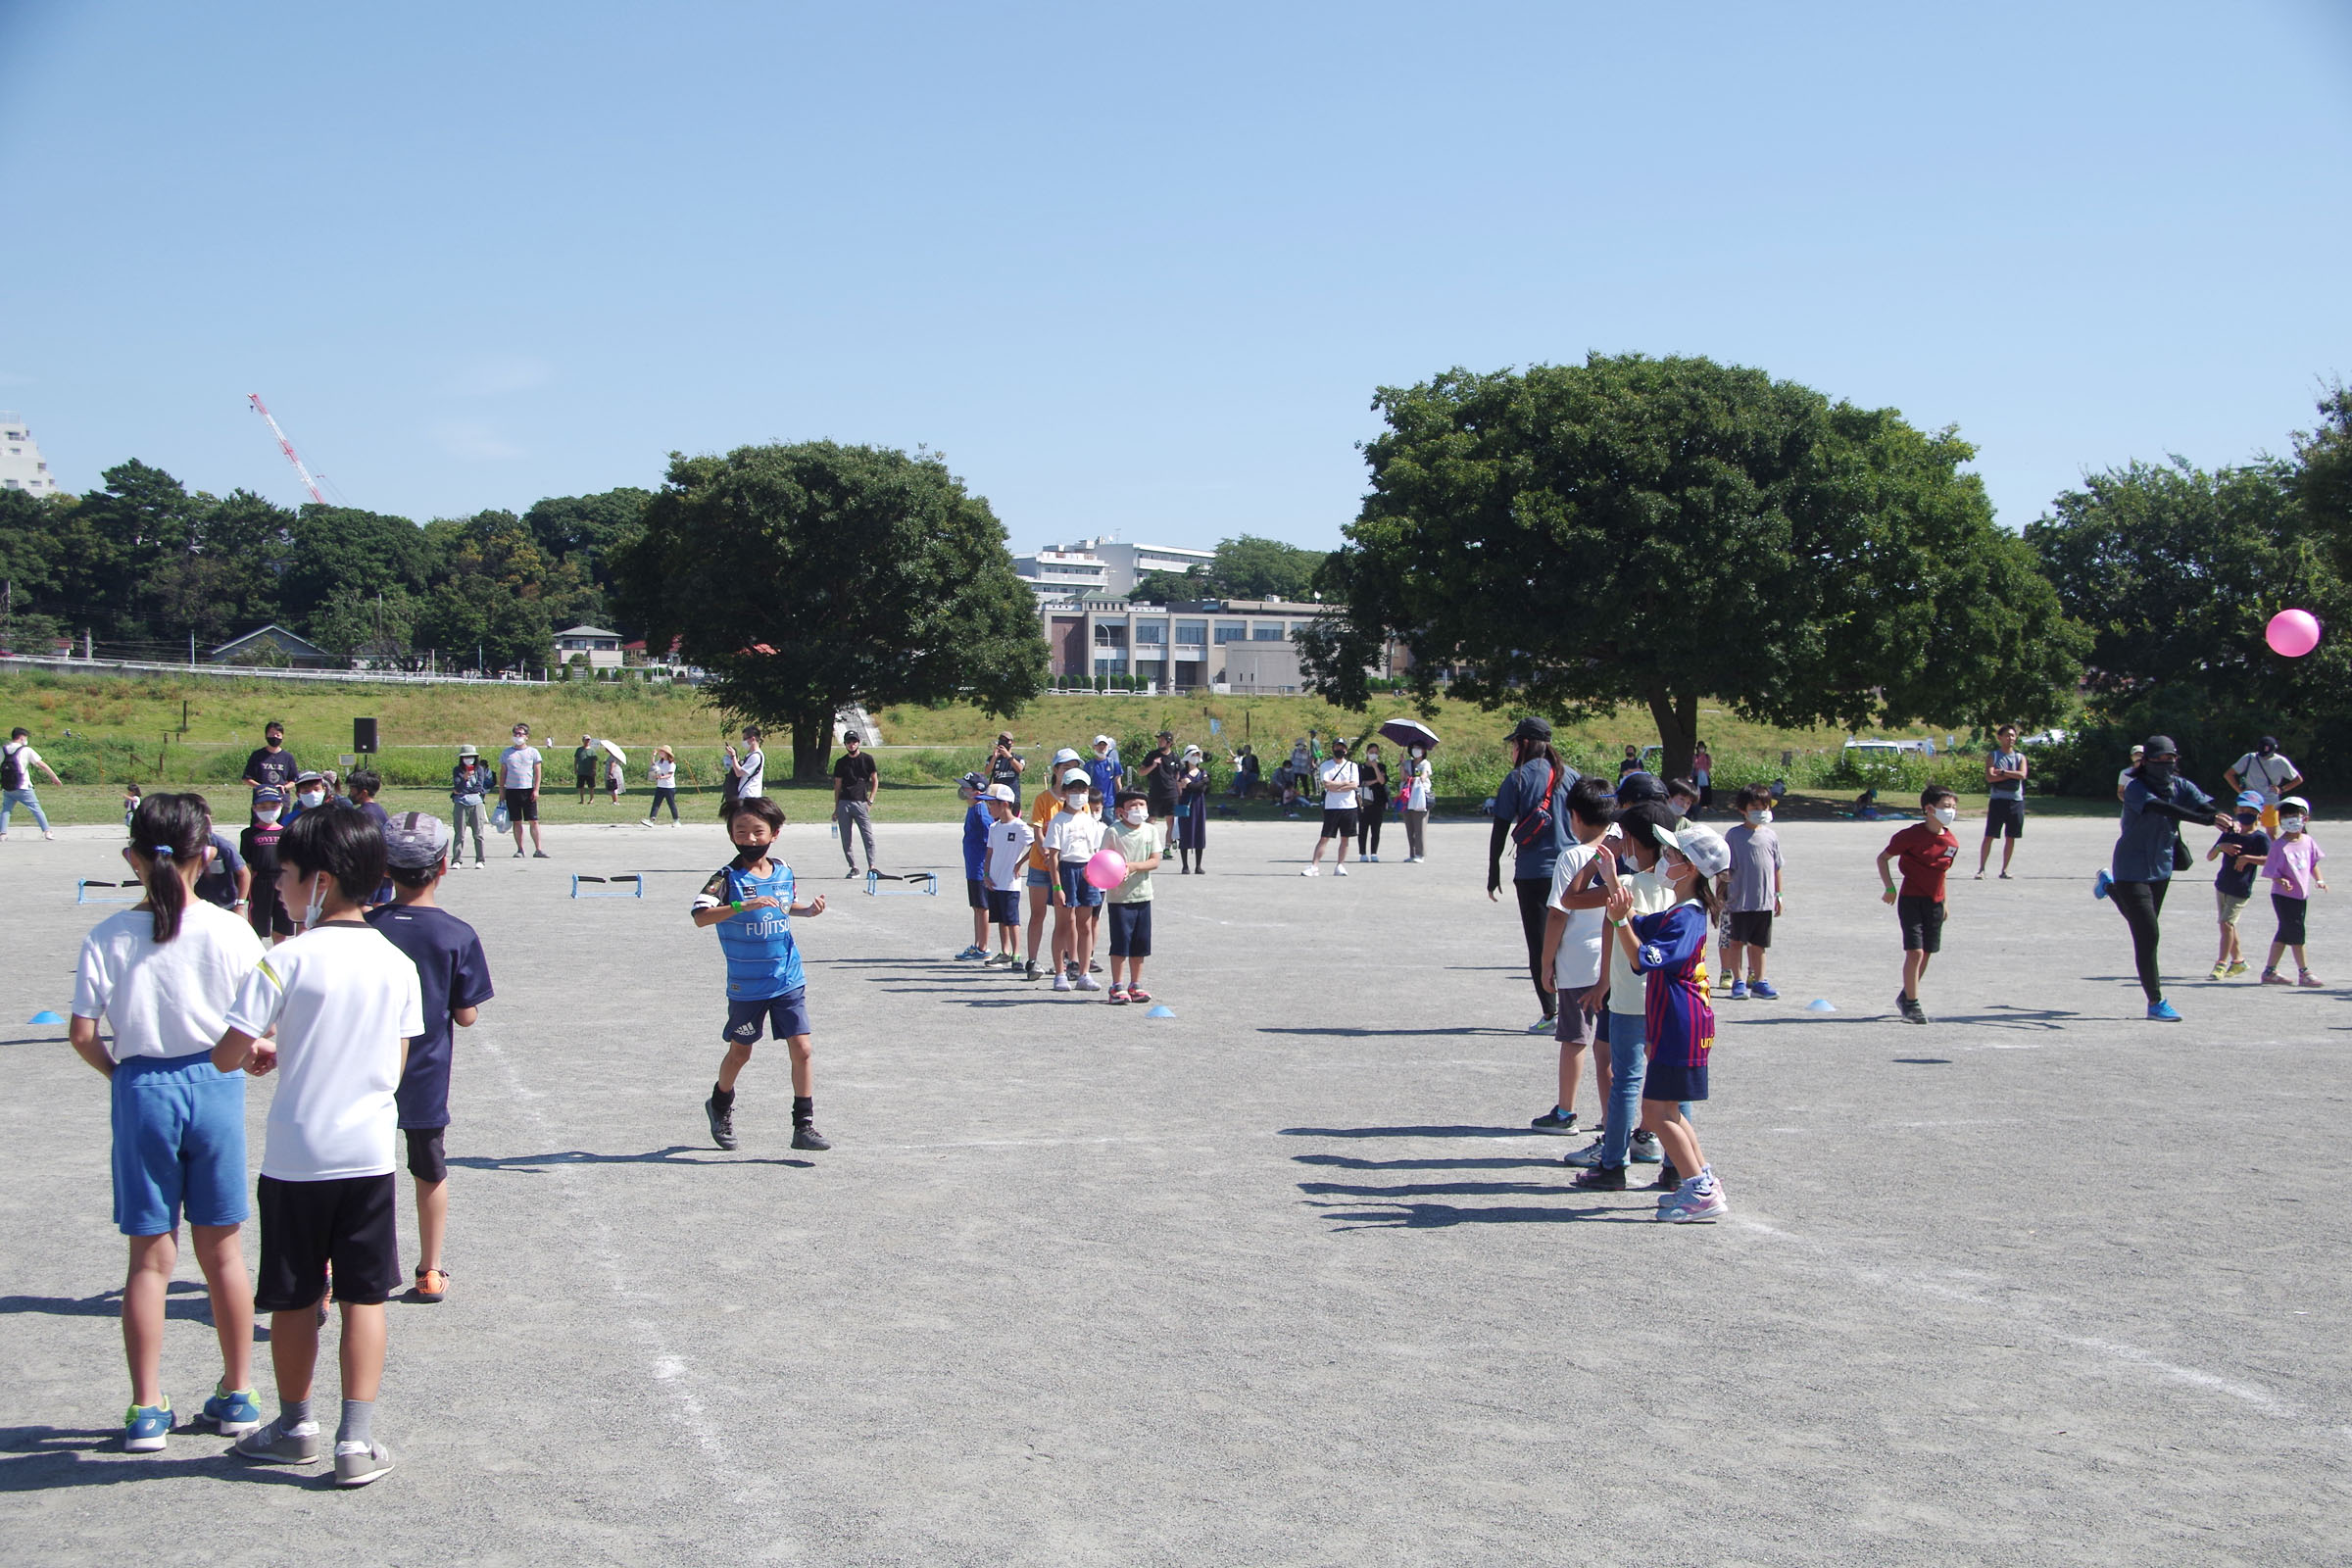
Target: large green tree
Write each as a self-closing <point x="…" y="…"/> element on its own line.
<point x="1247" y="567"/>
<point x="1572" y="538"/>
<point x="809" y="576"/>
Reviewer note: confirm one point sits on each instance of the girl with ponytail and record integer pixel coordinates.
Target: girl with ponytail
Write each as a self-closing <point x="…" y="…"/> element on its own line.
<point x="164" y="974"/>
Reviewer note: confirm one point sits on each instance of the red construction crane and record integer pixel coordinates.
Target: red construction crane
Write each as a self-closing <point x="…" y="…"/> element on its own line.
<point x="286" y="446"/>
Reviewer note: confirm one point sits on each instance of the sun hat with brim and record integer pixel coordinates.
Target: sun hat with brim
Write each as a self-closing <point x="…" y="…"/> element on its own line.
<point x="2295" y="801"/>
<point x="464" y="752"/>
<point x="1065" y="755"/>
<point x="1701" y="846"/>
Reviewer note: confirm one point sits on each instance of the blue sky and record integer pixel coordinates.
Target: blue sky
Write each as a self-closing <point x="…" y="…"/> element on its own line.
<point x="1139" y="268"/>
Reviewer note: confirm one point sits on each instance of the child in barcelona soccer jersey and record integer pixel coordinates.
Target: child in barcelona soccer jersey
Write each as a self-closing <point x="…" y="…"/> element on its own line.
<point x="749" y="901"/>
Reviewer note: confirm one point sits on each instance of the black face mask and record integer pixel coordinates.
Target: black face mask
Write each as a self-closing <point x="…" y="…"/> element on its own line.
<point x="2157" y="773"/>
<point x="750" y="856"/>
<point x="2264" y="751"/>
<point x="2247" y="819"/>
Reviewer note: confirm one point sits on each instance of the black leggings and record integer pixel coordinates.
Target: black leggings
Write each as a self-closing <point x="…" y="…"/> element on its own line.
<point x="2140" y="903"/>
<point x="1533" y="891"/>
<point x="661" y="796"/>
<point x="1367" y="825"/>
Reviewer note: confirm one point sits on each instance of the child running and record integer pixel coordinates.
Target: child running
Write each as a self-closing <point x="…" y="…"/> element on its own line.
<point x="1140" y="843"/>
<point x="1008" y="843"/>
<point x="1670" y="950"/>
<point x="749" y="901"/>
<point x="2242" y="849"/>
<point x="2293" y="871"/>
<point x="453" y="977"/>
<point x="1926" y="850"/>
<point x="344" y="1004"/>
<point x="1754" y="897"/>
<point x="163" y="975"/>
<point x="1072" y="839"/>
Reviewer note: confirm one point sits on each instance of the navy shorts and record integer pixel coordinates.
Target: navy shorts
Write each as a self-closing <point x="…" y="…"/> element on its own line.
<point x="306" y="1225"/>
<point x="1672" y="1081"/>
<point x="786" y="1016"/>
<point x="1130" y="930"/>
<point x="1003" y="905"/>
<point x="975" y="893"/>
<point x="1077" y="892"/>
<point x="427" y="1161"/>
<point x="179" y="1143"/>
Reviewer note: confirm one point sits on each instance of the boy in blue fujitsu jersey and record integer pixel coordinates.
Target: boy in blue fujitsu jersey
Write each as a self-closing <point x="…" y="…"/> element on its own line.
<point x="749" y="901"/>
<point x="1669" y="949"/>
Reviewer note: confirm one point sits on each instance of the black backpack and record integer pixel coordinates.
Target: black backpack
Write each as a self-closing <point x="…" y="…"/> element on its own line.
<point x="14" y="774"/>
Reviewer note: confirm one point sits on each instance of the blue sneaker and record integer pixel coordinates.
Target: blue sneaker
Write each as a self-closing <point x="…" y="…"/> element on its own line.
<point x="971" y="953"/>
<point x="1763" y="989"/>
<point x="2100" y="884"/>
<point x="146" y="1426"/>
<point x="2164" y="1012"/>
<point x="234" y="1413"/>
<point x="1738" y="990"/>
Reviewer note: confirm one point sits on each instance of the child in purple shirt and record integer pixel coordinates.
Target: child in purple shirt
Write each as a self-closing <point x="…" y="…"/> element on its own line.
<point x="2293" y="868"/>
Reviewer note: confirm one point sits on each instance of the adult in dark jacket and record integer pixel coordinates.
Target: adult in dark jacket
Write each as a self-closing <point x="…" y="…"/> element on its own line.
<point x="1535" y="767"/>
<point x="2156" y="802"/>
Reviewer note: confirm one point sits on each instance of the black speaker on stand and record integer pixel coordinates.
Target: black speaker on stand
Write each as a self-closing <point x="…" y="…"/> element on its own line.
<point x="362" y="734"/>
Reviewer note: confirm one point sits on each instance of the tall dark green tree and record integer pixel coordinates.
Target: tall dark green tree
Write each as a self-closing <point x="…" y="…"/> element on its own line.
<point x="809" y="576"/>
<point x="1572" y="538"/>
<point x="1247" y="567"/>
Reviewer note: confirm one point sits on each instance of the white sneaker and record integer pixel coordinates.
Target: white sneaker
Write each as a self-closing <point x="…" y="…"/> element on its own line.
<point x="1087" y="982"/>
<point x="1062" y="982"/>
<point x="1310" y="871"/>
<point x="1338" y="870"/>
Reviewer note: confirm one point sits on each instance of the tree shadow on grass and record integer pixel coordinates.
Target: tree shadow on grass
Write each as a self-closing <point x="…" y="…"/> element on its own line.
<point x="673" y="1155"/>
<point x="50" y="1458"/>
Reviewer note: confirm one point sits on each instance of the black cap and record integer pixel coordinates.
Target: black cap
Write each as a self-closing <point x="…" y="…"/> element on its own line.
<point x="2162" y="746"/>
<point x="1638" y="786"/>
<point x="2269" y="742"/>
<point x="1531" y="729"/>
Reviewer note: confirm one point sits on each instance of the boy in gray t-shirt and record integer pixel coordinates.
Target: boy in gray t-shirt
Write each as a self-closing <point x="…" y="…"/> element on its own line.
<point x="1753" y="896"/>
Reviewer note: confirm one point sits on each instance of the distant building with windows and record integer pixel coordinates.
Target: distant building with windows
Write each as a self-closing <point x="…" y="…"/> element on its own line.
<point x="21" y="466"/>
<point x="274" y="647"/>
<point x="1108" y="568"/>
<point x="601" y="647"/>
<point x="1244" y="645"/>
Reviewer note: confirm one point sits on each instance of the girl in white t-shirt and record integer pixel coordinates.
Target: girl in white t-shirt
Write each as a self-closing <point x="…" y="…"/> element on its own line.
<point x="664" y="776"/>
<point x="164" y="974"/>
<point x="1415" y="789"/>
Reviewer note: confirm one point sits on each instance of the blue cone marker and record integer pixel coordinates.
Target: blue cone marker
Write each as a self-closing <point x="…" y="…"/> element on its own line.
<point x="1163" y="1010"/>
<point x="46" y="1017"/>
<point x="1820" y="1004"/>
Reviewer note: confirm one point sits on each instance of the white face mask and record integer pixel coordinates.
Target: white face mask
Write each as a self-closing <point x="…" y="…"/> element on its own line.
<point x="311" y="798"/>
<point x="317" y="901"/>
<point x="267" y="817"/>
<point x="1134" y="816"/>
<point x="1075" y="800"/>
<point x="1759" y="819"/>
<point x="1945" y="814"/>
<point x="2290" y="824"/>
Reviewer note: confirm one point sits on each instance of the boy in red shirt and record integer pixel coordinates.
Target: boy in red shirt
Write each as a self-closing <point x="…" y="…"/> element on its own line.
<point x="1926" y="851"/>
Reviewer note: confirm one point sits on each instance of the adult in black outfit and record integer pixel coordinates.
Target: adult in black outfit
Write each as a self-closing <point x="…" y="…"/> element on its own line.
<point x="1372" y="802"/>
<point x="2156" y="802"/>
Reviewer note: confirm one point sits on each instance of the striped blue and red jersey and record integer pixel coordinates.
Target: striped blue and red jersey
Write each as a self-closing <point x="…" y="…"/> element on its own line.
<point x="1673" y="954"/>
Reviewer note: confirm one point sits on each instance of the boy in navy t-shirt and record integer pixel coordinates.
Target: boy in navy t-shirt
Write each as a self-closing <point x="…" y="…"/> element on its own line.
<point x="749" y="901"/>
<point x="453" y="979"/>
<point x="2241" y="849"/>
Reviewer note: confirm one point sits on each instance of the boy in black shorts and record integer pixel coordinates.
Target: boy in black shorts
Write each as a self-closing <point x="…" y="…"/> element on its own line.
<point x="345" y="1003"/>
<point x="1926" y="850"/>
<point x="749" y="899"/>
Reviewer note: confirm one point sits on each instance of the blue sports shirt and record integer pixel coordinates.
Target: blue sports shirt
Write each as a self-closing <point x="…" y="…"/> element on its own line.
<point x="1674" y="956"/>
<point x="763" y="960"/>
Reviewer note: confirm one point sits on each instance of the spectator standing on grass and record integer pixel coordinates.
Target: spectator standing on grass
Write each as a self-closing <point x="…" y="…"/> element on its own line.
<point x="747" y="772"/>
<point x="131" y="798"/>
<point x="2147" y="852"/>
<point x="1006" y="766"/>
<point x="2122" y="780"/>
<point x="2242" y="848"/>
<point x="470" y="787"/>
<point x="583" y="768"/>
<point x="1160" y="781"/>
<point x="612" y="779"/>
<point x="664" y="775"/>
<point x="1531" y="813"/>
<point x="1702" y="774"/>
<point x="2267" y="772"/>
<point x="520" y="771"/>
<point x="1371" y="803"/>
<point x="1630" y="762"/>
<point x="854" y="775"/>
<point x="272" y="767"/>
<point x="1341" y="780"/>
<point x="17" y="760"/>
<point x="1419" y="779"/>
<point x="2006" y="811"/>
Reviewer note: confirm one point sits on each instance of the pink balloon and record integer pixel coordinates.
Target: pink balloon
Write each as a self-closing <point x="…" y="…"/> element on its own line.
<point x="2293" y="632"/>
<point x="1106" y="870"/>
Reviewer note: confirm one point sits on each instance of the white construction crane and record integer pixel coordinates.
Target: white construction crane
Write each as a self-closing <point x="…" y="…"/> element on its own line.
<point x="286" y="446"/>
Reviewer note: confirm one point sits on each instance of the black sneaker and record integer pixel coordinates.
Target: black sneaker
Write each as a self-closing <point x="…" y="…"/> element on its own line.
<point x="1032" y="972"/>
<point x="851" y="875"/>
<point x="1668" y="1177"/>
<point x="722" y="1122"/>
<point x="1600" y="1179"/>
<point x="1556" y="1120"/>
<point x="805" y="1136"/>
<point x="1910" y="1008"/>
<point x="541" y="855"/>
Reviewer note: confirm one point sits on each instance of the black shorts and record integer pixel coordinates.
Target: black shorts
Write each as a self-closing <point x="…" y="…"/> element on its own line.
<point x="1130" y="930"/>
<point x="1922" y="920"/>
<point x="306" y="1225"/>
<point x="786" y="1016"/>
<point x="1750" y="927"/>
<point x="426" y="1161"/>
<point x="2290" y="912"/>
<point x="522" y="805"/>
<point x="1156" y="808"/>
<point x="268" y="912"/>
<point x="2004" y="818"/>
<point x="975" y="893"/>
<point x="1004" y="907"/>
<point x="1338" y="824"/>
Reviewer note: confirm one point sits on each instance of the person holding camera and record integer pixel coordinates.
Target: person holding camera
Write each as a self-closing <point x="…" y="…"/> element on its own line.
<point x="1006" y="766"/>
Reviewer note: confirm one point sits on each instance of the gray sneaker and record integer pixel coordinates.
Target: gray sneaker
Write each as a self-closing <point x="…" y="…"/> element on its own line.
<point x="358" y="1463"/>
<point x="276" y="1445"/>
<point x="1585" y="1159"/>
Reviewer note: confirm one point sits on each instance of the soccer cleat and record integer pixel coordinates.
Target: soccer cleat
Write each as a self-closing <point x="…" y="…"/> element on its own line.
<point x="1738" y="990"/>
<point x="805" y="1136"/>
<point x="145" y="1426"/>
<point x="1556" y="1120"/>
<point x="1763" y="989"/>
<point x="722" y="1121"/>
<point x="2100" y="884"/>
<point x="1600" y="1179"/>
<point x="432" y="1285"/>
<point x="276" y="1445"/>
<point x="234" y="1413"/>
<point x="358" y="1463"/>
<point x="1587" y="1157"/>
<point x="1690" y="1203"/>
<point x="2163" y="1012"/>
<point x="1644" y="1149"/>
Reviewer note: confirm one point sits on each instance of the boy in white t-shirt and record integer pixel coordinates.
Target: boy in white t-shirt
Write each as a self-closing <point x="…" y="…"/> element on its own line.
<point x="1573" y="935"/>
<point x="1340" y="780"/>
<point x="345" y="1003"/>
<point x="1005" y="867"/>
<point x="1072" y="839"/>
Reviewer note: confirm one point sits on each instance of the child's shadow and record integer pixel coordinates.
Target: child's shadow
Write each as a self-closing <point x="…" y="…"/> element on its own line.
<point x="184" y="1302"/>
<point x="673" y="1155"/>
<point x="49" y="1459"/>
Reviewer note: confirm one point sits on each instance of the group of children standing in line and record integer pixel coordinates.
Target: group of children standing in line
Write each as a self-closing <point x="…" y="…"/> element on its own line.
<point x="354" y="1011"/>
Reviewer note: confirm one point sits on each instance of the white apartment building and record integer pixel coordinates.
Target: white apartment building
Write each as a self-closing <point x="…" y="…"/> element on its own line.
<point x="1103" y="567"/>
<point x="21" y="464"/>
